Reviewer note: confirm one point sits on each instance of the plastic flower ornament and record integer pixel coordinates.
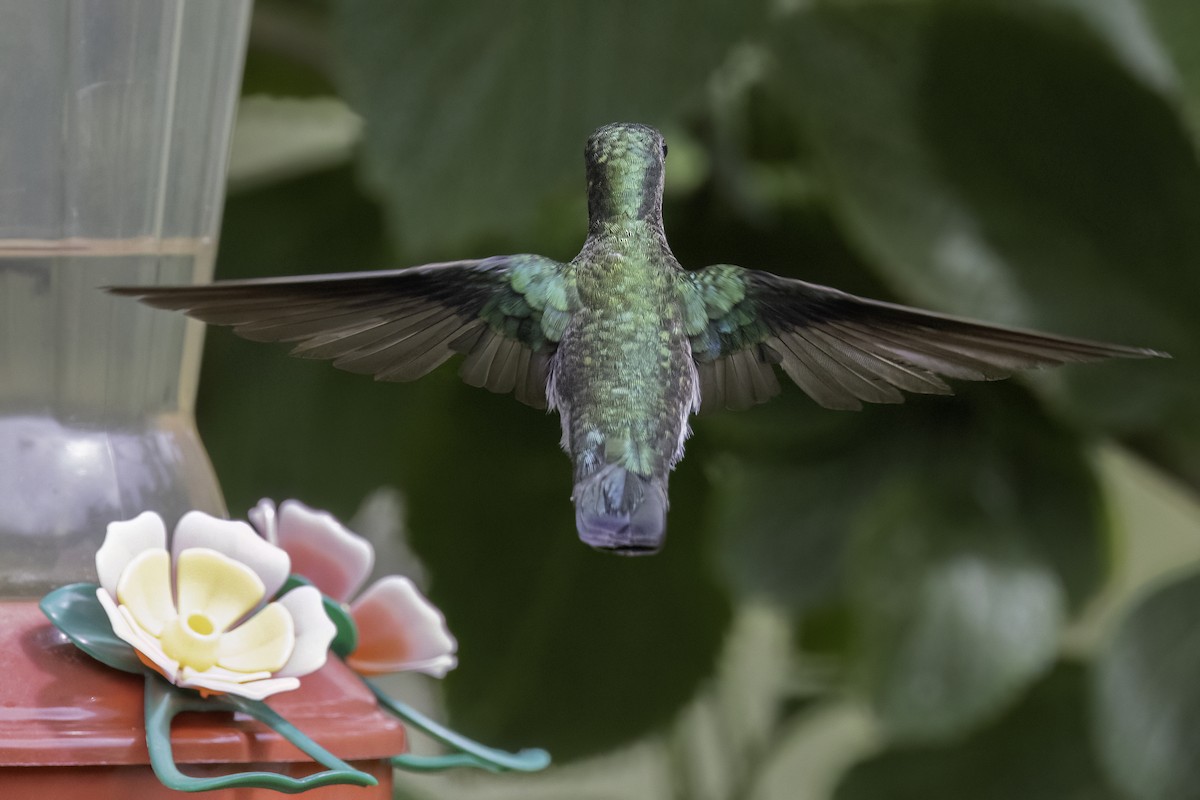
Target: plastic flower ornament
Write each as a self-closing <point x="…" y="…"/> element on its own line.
<point x="399" y="630"/>
<point x="227" y="617"/>
<point x="202" y="614"/>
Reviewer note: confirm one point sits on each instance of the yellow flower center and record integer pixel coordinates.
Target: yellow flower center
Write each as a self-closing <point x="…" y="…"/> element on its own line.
<point x="200" y="624"/>
<point x="192" y="641"/>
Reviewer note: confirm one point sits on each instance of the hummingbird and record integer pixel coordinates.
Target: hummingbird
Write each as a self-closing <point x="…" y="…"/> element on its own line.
<point x="622" y="341"/>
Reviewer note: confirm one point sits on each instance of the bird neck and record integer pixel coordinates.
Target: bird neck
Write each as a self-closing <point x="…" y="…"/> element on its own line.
<point x="618" y="227"/>
<point x="642" y="240"/>
<point x="625" y="195"/>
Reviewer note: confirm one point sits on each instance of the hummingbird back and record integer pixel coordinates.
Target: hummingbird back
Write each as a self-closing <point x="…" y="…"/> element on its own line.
<point x="624" y="382"/>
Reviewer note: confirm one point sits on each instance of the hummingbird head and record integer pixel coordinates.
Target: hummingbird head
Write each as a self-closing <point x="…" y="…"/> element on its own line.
<point x="625" y="174"/>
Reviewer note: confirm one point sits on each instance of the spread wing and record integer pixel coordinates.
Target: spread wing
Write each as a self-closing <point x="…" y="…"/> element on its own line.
<point x="843" y="350"/>
<point x="505" y="314"/>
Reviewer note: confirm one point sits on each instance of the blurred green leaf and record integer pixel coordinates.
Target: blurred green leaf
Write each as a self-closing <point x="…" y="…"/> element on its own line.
<point x="955" y="616"/>
<point x="278" y="138"/>
<point x="1177" y="23"/>
<point x="986" y="528"/>
<point x="788" y="480"/>
<point x="1155" y="521"/>
<point x="960" y="532"/>
<point x="1039" y="751"/>
<point x="1122" y="25"/>
<point x="1147" y="697"/>
<point x="755" y="682"/>
<point x="717" y="747"/>
<point x="1005" y="164"/>
<point x="814" y="750"/>
<point x="783" y="527"/>
<point x="792" y="488"/>
<point x="289" y="49"/>
<point x="476" y="117"/>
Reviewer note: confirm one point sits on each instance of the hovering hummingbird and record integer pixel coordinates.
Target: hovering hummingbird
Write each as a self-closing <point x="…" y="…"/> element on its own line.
<point x="622" y="341"/>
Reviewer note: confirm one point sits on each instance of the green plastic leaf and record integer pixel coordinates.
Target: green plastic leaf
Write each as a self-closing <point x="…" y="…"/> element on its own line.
<point x="1006" y="164"/>
<point x="75" y="611"/>
<point x="477" y="112"/>
<point x="164" y="702"/>
<point x="1039" y="751"/>
<point x="1147" y="698"/>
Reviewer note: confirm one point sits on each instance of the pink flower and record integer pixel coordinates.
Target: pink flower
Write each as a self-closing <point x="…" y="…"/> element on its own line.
<point x="399" y="629"/>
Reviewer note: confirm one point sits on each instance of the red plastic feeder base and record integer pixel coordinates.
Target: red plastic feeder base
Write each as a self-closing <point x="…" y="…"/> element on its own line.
<point x="71" y="727"/>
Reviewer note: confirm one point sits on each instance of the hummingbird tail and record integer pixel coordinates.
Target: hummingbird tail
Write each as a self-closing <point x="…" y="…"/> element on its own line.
<point x="621" y="512"/>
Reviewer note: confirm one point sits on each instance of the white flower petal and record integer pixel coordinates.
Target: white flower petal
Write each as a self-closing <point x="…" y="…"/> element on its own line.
<point x="263" y="642"/>
<point x="264" y="519"/>
<point x="236" y="540"/>
<point x="121" y="626"/>
<point x="314" y="631"/>
<point x="218" y="673"/>
<point x="127" y="630"/>
<point x="323" y="550"/>
<point x="254" y="690"/>
<point x="151" y="649"/>
<point x="145" y="590"/>
<point x="211" y="584"/>
<point x="123" y="541"/>
<point x="436" y="667"/>
<point x="400" y="630"/>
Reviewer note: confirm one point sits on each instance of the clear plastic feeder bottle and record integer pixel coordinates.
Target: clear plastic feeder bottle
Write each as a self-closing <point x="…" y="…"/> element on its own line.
<point x="114" y="136"/>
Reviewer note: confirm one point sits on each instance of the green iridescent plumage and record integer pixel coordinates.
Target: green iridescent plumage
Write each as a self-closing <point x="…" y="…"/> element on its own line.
<point x="622" y="341"/>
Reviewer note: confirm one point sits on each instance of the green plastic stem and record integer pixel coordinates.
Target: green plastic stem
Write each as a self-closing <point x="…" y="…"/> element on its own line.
<point x="473" y="754"/>
<point x="164" y="701"/>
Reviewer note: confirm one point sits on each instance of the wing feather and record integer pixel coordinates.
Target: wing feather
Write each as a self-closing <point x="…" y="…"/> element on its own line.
<point x="886" y="370"/>
<point x="398" y="324"/>
<point x="433" y="352"/>
<point x="502" y="376"/>
<point x="844" y="350"/>
<point x="808" y="374"/>
<point x="474" y="369"/>
<point x="532" y="370"/>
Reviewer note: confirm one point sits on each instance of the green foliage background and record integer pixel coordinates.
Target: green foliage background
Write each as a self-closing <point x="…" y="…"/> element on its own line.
<point x="957" y="597"/>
